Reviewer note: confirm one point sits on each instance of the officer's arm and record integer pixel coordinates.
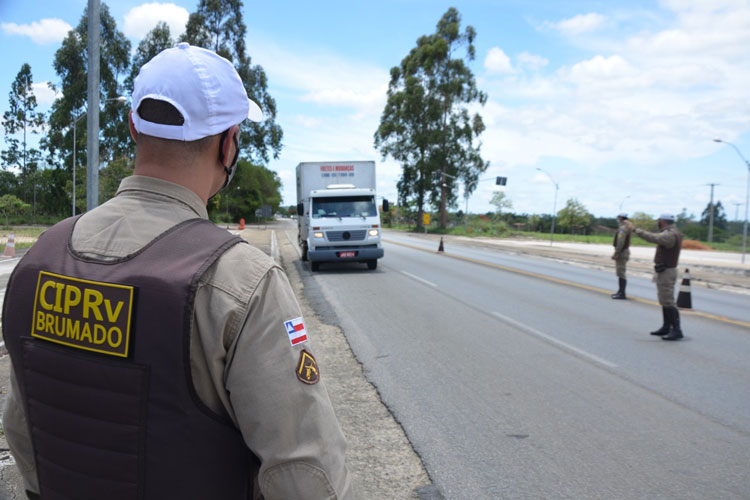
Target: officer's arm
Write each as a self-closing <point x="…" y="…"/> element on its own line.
<point x="18" y="437"/>
<point x="289" y="424"/>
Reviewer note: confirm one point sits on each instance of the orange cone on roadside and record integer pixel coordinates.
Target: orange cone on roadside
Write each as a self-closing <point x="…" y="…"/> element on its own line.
<point x="10" y="246"/>
<point x="684" y="298"/>
<point x="242" y="224"/>
<point x="440" y="248"/>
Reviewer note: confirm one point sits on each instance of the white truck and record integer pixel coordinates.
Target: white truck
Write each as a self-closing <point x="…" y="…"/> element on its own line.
<point x="337" y="209"/>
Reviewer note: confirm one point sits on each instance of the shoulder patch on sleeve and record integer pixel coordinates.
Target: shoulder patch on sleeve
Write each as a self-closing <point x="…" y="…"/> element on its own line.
<point x="295" y="328"/>
<point x="307" y="368"/>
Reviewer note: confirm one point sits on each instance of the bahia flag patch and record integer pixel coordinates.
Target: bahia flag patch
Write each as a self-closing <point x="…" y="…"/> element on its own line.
<point x="296" y="330"/>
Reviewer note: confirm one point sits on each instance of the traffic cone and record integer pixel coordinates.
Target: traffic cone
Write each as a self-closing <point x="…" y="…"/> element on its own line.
<point x="10" y="246"/>
<point x="684" y="299"/>
<point x="440" y="248"/>
<point x="242" y="224"/>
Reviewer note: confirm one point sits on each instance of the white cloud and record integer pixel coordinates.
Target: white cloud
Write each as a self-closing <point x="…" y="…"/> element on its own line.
<point x="580" y="24"/>
<point x="142" y="19"/>
<point x="497" y="61"/>
<point x="41" y="32"/>
<point x="531" y="61"/>
<point x="45" y="96"/>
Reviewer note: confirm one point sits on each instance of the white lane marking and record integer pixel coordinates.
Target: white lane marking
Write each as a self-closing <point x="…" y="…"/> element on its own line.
<point x="553" y="340"/>
<point x="430" y="283"/>
<point x="294" y="244"/>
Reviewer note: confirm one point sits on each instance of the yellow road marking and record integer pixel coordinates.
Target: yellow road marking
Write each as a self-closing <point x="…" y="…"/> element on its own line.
<point x="595" y="289"/>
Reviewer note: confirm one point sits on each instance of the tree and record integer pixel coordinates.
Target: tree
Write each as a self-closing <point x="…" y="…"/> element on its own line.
<point x="425" y="124"/>
<point x="71" y="65"/>
<point x="643" y="221"/>
<point x="720" y="218"/>
<point x="21" y="116"/>
<point x="155" y="41"/>
<point x="574" y="216"/>
<point x="501" y="201"/>
<point x="217" y="25"/>
<point x="252" y="187"/>
<point x="11" y="205"/>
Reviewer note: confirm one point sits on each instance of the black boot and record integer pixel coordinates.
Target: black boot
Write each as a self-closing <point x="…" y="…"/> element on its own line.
<point x="621" y="291"/>
<point x="667" y="323"/>
<point x="676" y="333"/>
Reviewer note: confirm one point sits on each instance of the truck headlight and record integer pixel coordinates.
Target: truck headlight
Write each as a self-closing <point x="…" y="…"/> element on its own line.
<point x="373" y="232"/>
<point x="318" y="235"/>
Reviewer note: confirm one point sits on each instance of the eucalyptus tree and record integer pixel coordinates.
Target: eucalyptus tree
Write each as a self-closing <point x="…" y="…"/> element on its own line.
<point x="426" y="125"/>
<point x="156" y="40"/>
<point x="217" y="25"/>
<point x="22" y="117"/>
<point x="71" y="66"/>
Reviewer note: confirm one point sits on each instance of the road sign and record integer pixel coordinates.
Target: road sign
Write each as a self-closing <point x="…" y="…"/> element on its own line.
<point x="500" y="181"/>
<point x="426" y="219"/>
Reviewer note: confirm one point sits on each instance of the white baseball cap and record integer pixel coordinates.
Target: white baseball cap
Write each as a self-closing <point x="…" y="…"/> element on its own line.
<point x="667" y="217"/>
<point x="624" y="215"/>
<point x="203" y="86"/>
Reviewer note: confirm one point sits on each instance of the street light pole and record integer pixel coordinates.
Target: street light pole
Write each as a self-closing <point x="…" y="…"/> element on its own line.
<point x="554" y="206"/>
<point x="74" y="125"/>
<point x="747" y="195"/>
<point x="623" y="201"/>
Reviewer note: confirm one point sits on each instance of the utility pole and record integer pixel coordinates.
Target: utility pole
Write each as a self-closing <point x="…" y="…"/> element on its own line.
<point x="92" y="167"/>
<point x="711" y="213"/>
<point x="737" y="206"/>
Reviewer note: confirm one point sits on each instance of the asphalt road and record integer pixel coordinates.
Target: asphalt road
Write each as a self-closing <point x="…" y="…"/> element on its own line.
<point x="515" y="386"/>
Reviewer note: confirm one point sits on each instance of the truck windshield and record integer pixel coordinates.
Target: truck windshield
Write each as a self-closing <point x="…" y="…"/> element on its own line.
<point x="344" y="206"/>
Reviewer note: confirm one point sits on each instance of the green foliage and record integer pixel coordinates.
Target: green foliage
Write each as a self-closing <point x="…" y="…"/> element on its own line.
<point x="22" y="117"/>
<point x="644" y="221"/>
<point x="217" y="25"/>
<point x="574" y="218"/>
<point x="111" y="175"/>
<point x="252" y="187"/>
<point x="11" y="205"/>
<point x="500" y="201"/>
<point x="720" y="218"/>
<point x="425" y="124"/>
<point x="71" y="62"/>
<point x="155" y="41"/>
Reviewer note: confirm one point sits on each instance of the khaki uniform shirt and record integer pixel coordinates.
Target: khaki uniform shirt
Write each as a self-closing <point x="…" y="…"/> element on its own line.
<point x="665" y="280"/>
<point x="242" y="362"/>
<point x="620" y="238"/>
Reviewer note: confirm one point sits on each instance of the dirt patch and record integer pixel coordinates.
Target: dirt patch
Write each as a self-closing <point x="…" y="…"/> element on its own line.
<point x="695" y="245"/>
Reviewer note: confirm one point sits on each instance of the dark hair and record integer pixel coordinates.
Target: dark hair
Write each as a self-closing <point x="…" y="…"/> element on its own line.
<point x="160" y="112"/>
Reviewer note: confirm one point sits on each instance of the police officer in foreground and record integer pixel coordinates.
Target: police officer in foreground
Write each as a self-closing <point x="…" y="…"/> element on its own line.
<point x="669" y="244"/>
<point x="622" y="254"/>
<point x="156" y="356"/>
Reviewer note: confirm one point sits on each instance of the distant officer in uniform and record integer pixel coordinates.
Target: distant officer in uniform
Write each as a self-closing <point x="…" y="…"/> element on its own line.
<point x="622" y="254"/>
<point x="155" y="355"/>
<point x="669" y="244"/>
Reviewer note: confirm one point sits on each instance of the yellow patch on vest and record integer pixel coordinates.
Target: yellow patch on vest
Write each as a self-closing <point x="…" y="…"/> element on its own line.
<point x="84" y="314"/>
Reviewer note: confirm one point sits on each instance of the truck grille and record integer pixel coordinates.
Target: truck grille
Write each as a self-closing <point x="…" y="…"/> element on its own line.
<point x="356" y="235"/>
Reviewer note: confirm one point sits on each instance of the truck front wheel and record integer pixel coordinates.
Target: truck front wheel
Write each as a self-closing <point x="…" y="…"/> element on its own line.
<point x="372" y="264"/>
<point x="315" y="266"/>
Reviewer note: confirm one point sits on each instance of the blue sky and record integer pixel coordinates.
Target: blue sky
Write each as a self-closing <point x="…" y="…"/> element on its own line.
<point x="617" y="101"/>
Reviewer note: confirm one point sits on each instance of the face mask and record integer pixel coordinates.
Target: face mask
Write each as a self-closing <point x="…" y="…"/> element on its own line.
<point x="231" y="169"/>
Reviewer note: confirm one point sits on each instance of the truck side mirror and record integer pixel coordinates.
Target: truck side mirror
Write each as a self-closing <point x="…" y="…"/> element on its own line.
<point x="385" y="205"/>
<point x="300" y="209"/>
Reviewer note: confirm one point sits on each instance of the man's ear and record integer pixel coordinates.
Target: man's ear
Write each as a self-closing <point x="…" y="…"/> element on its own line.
<point x="228" y="144"/>
<point x="133" y="132"/>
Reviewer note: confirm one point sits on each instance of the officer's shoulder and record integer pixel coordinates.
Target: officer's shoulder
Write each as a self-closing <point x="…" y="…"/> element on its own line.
<point x="242" y="266"/>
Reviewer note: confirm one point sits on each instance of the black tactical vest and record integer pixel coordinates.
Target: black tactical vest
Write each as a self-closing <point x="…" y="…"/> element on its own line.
<point x="101" y="351"/>
<point x="669" y="256"/>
